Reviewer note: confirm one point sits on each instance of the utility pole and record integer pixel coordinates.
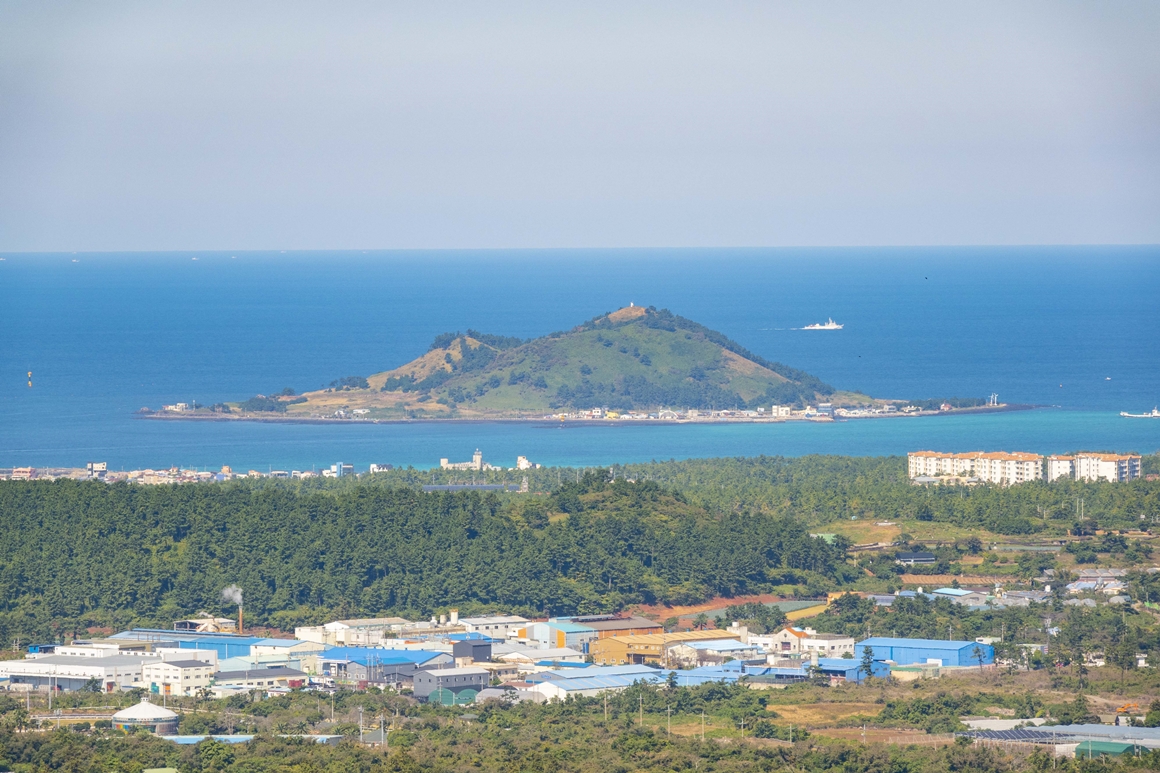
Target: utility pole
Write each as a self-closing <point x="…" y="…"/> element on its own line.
<point x="669" y="721"/>
<point x="641" y="696"/>
<point x="702" y="725"/>
<point x="743" y="728"/>
<point x="360" y="724"/>
<point x="606" y="707"/>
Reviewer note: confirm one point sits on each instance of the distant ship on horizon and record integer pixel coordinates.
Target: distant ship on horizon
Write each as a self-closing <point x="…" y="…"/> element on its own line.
<point x="1155" y="414"/>
<point x="830" y="324"/>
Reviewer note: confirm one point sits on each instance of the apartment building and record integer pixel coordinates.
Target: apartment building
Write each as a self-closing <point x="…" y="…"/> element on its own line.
<point x="1060" y="467"/>
<point x="1118" y="468"/>
<point x="998" y="467"/>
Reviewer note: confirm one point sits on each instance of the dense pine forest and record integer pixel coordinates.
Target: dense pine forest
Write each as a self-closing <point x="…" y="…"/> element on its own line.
<point x="82" y="555"/>
<point x="821" y="489"/>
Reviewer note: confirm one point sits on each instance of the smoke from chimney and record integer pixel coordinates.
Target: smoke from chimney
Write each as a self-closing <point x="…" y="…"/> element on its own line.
<point x="232" y="594"/>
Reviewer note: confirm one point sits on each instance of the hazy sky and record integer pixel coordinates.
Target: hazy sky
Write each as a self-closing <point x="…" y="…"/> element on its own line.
<point x="250" y="125"/>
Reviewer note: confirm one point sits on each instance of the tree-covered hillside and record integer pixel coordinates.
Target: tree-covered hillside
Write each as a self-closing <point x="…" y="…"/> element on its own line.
<point x="82" y="554"/>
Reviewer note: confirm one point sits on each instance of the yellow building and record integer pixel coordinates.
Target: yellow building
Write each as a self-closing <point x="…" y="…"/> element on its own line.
<point x="649" y="648"/>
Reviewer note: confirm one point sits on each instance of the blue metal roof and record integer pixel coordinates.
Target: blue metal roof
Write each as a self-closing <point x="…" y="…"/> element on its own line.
<point x="952" y="592"/>
<point x="567" y="673"/>
<point x="472" y="636"/>
<point x="609" y="671"/>
<point x="151" y="634"/>
<point x="605" y="682"/>
<point x="929" y="644"/>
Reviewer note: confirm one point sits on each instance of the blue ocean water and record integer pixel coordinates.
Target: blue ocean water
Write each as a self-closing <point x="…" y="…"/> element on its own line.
<point x="105" y="334"/>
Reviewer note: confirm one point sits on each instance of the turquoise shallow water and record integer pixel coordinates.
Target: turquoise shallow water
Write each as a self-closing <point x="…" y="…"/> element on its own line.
<point x="107" y="334"/>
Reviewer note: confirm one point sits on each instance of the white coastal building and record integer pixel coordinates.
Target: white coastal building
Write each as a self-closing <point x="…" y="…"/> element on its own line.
<point x="1118" y="468"/>
<point x="1001" y="467"/>
<point x="1060" y="467"/>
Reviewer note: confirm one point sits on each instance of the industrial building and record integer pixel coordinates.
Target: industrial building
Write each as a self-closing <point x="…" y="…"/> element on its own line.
<point x="560" y="633"/>
<point x="550" y="657"/>
<point x="227" y="645"/>
<point x="589" y="685"/>
<point x="372" y="664"/>
<point x="905" y="652"/>
<point x="451" y="686"/>
<point x="68" y="673"/>
<point x="614" y="625"/>
<point x="962" y="596"/>
<point x="647" y="648"/>
<point x="471" y="650"/>
<point x="261" y="678"/>
<point x="285" y="649"/>
<point x="176" y="677"/>
<point x="365" y="631"/>
<point x="495" y="626"/>
<point x="206" y="625"/>
<point x="1079" y="740"/>
<point x="712" y="652"/>
<point x="837" y="670"/>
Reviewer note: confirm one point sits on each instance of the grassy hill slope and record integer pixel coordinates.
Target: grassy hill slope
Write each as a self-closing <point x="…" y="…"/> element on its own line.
<point x="635" y="358"/>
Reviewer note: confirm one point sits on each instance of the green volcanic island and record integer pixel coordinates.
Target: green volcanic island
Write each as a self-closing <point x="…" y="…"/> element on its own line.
<point x="634" y="361"/>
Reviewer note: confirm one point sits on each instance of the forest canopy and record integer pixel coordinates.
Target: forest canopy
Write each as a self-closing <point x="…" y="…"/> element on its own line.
<point x="90" y="554"/>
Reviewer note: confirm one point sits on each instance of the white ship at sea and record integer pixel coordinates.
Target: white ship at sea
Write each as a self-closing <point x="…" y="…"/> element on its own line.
<point x="829" y="325"/>
<point x="1155" y="414"/>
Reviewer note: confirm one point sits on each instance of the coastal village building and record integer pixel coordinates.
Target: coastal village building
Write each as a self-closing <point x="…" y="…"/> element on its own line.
<point x="476" y="463"/>
<point x="998" y="467"/>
